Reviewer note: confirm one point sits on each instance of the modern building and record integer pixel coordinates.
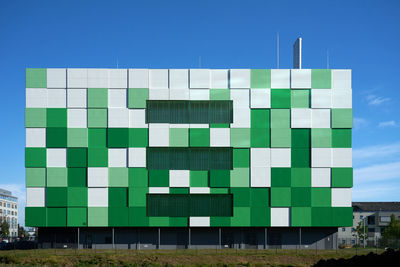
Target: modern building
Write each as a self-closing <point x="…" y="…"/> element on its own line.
<point x="188" y="158"/>
<point x="9" y="211"/>
<point x="375" y="216"/>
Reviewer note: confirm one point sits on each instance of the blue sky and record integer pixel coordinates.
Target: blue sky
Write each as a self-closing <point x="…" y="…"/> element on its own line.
<point x="361" y="35"/>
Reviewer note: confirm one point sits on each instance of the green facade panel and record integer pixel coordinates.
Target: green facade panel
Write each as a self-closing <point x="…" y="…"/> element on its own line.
<point x="212" y="141"/>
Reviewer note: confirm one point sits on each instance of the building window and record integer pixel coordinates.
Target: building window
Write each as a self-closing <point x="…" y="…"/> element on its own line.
<point x="353" y="241"/>
<point x="384" y="218"/>
<point x="371" y="219"/>
<point x="343" y="241"/>
<point x="343" y="229"/>
<point x="361" y="217"/>
<point x="353" y="229"/>
<point x="371" y="230"/>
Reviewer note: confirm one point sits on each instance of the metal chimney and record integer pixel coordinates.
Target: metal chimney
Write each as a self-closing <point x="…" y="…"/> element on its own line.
<point x="297" y="54"/>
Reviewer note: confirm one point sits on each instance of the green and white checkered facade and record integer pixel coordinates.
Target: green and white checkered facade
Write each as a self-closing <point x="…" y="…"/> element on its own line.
<point x="88" y="141"/>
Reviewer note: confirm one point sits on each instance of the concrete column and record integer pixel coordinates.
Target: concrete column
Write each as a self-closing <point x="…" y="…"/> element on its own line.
<point x="189" y="238"/>
<point x="219" y="237"/>
<point x="159" y="240"/>
<point x="113" y="244"/>
<point x="78" y="238"/>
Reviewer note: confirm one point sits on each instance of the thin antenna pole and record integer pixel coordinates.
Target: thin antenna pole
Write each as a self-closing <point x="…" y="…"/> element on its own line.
<point x="277" y="48"/>
<point x="117" y="64"/>
<point x="327" y="58"/>
<point x="199" y="61"/>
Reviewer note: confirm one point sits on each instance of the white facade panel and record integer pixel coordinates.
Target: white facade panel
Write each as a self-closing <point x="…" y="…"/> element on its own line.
<point x="342" y="98"/>
<point x="97" y="177"/>
<point x="239" y="78"/>
<point x="241" y="117"/>
<point x="280" y="79"/>
<point x="321" y="118"/>
<point x="117" y="98"/>
<point x="78" y="78"/>
<point x="56" y="157"/>
<point x="341" y="79"/>
<point x="179" y="178"/>
<point x="159" y="94"/>
<point x="199" y="94"/>
<point x="97" y="78"/>
<point x="35" y="137"/>
<point x="300" y="79"/>
<point x="117" y="78"/>
<point x="179" y="94"/>
<point x="77" y="118"/>
<point x="260" y="157"/>
<point x="260" y="177"/>
<point x="118" y="117"/>
<point x="138" y="78"/>
<point x="57" y="98"/>
<point x="199" y="190"/>
<point x="220" y="137"/>
<point x="321" y="98"/>
<point x="137" y="157"/>
<point x="199" y="221"/>
<point x="320" y="177"/>
<point x="137" y="118"/>
<point x="281" y="157"/>
<point x="260" y="98"/>
<point x="342" y="157"/>
<point x="35" y="197"/>
<point x="76" y="98"/>
<point x="117" y="157"/>
<point x="158" y="79"/>
<point x="240" y="98"/>
<point x="159" y="134"/>
<point x="56" y="78"/>
<point x="341" y="197"/>
<point x="97" y="197"/>
<point x="280" y="217"/>
<point x="199" y="78"/>
<point x="178" y="78"/>
<point x="158" y="190"/>
<point x="321" y="157"/>
<point x="300" y="118"/>
<point x="219" y="79"/>
<point x="36" y="97"/>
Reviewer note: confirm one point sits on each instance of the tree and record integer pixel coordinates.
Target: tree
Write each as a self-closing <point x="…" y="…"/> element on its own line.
<point x="22" y="233"/>
<point x="361" y="231"/>
<point x="392" y="231"/>
<point x="4" y="229"/>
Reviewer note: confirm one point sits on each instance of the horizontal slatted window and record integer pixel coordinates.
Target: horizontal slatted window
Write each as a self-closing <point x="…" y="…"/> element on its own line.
<point x="189" y="158"/>
<point x="185" y="205"/>
<point x="189" y="111"/>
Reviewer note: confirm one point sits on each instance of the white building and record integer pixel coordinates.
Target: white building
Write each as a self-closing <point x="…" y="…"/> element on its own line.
<point x="9" y="211"/>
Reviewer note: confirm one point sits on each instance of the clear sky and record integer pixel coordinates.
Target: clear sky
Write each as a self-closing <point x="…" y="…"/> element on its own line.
<point x="361" y="35"/>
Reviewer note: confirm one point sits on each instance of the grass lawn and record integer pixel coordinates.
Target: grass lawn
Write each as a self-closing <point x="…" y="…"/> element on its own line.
<point x="225" y="257"/>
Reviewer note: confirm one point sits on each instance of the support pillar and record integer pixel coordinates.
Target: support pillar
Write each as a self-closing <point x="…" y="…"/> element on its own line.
<point x="189" y="239"/>
<point x="78" y="238"/>
<point x="113" y="244"/>
<point x="159" y="240"/>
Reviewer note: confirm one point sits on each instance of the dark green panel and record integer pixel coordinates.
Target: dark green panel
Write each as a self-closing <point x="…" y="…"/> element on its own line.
<point x="35" y="157"/>
<point x="220" y="178"/>
<point x="301" y="157"/>
<point x="56" y="196"/>
<point x="301" y="197"/>
<point x="342" y="177"/>
<point x="77" y="196"/>
<point x="280" y="98"/>
<point x="260" y="118"/>
<point x="118" y="216"/>
<point x="341" y="138"/>
<point x="138" y="137"/>
<point x="280" y="177"/>
<point x="77" y="157"/>
<point x="117" y="197"/>
<point x="35" y="216"/>
<point x="158" y="178"/>
<point x="97" y="137"/>
<point x="56" y="137"/>
<point x="56" y="117"/>
<point x="301" y="138"/>
<point x="77" y="177"/>
<point x="56" y="217"/>
<point x="117" y="137"/>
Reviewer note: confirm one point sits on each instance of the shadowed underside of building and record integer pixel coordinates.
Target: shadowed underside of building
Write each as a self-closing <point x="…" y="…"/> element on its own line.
<point x="193" y="238"/>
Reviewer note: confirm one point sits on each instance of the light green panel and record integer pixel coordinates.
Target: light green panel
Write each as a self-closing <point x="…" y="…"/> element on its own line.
<point x="280" y="118"/>
<point x="137" y="97"/>
<point x="240" y="177"/>
<point x="220" y="94"/>
<point x="97" y="97"/>
<point x="57" y="177"/>
<point x="281" y="137"/>
<point x="118" y="177"/>
<point x="77" y="137"/>
<point x="36" y="78"/>
<point x="179" y="137"/>
<point x="300" y="98"/>
<point x="35" y="177"/>
<point x="240" y="137"/>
